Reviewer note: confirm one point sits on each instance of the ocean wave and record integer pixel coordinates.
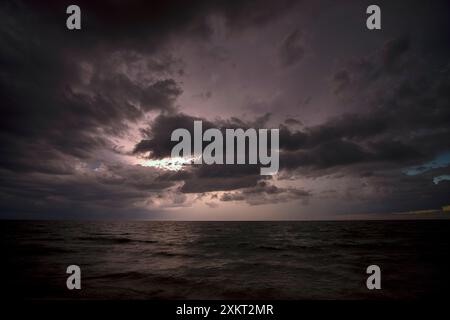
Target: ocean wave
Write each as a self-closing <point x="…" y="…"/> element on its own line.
<point x="115" y="240"/>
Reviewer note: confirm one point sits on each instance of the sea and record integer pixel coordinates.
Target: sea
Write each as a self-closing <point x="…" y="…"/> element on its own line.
<point x="287" y="260"/>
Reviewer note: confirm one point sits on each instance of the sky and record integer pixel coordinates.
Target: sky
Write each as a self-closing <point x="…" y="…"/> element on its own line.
<point x="86" y="115"/>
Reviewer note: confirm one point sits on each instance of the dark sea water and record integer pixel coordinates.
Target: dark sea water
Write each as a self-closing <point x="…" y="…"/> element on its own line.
<point x="225" y="260"/>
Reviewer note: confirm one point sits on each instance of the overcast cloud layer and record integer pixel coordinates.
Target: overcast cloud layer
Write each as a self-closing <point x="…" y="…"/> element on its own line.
<point x="86" y="116"/>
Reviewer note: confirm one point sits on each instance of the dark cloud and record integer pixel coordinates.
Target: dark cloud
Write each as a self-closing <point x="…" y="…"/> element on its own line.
<point x="201" y="178"/>
<point x="406" y="122"/>
<point x="331" y="153"/>
<point x="67" y="96"/>
<point x="393" y="52"/>
<point x="395" y="58"/>
<point x="208" y="184"/>
<point x="292" y="50"/>
<point x="265" y="193"/>
<point x="61" y="100"/>
<point x="341" y="80"/>
<point x="104" y="192"/>
<point x="80" y="84"/>
<point x="157" y="137"/>
<point x="145" y="26"/>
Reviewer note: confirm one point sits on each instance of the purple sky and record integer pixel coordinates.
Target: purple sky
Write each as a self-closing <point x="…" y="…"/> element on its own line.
<point x="87" y="115"/>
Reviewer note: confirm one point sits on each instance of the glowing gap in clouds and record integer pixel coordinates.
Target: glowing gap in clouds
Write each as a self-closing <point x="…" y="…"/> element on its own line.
<point x="172" y="164"/>
<point x="438" y="179"/>
<point x="441" y="161"/>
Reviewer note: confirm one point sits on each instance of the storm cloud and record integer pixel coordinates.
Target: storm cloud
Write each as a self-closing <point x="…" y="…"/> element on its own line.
<point x="86" y="115"/>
